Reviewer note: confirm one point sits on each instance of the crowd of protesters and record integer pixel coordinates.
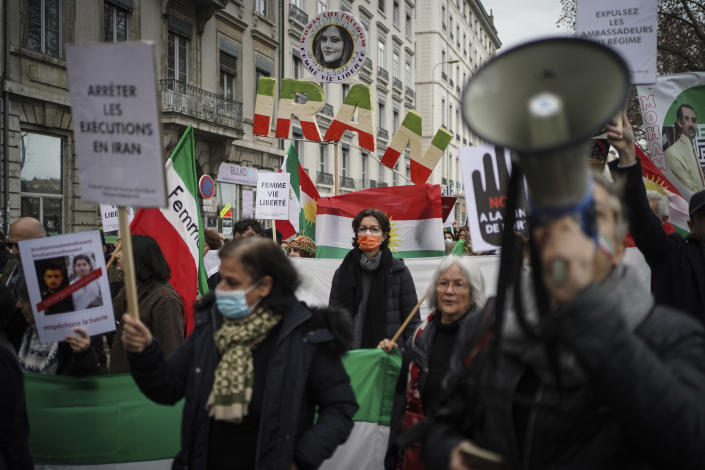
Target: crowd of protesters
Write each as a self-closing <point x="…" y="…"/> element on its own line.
<point x="592" y="370"/>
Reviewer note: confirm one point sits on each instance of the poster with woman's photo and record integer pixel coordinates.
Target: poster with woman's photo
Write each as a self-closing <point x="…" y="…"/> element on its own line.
<point x="67" y="284"/>
<point x="333" y="46"/>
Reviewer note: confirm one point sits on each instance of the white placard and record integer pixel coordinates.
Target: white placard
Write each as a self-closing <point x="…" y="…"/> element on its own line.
<point x="236" y="174"/>
<point x="486" y="181"/>
<point x="628" y="26"/>
<point x="248" y="204"/>
<point x="111" y="220"/>
<point x="228" y="226"/>
<point x="67" y="284"/>
<point x="116" y="123"/>
<point x="272" y="196"/>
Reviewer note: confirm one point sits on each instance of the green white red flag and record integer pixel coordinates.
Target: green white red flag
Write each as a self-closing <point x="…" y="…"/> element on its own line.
<point x="414" y="213"/>
<point x="178" y="228"/>
<point x="302" y="199"/>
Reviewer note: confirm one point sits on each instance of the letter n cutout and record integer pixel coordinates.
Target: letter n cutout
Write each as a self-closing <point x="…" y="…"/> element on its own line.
<point x="420" y="167"/>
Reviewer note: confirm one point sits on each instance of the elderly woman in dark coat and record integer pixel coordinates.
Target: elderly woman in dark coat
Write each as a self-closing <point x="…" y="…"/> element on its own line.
<point x="261" y="372"/>
<point x="375" y="287"/>
<point x="458" y="293"/>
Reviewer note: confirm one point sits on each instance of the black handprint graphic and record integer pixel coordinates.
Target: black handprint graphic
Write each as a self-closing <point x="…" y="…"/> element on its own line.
<point x="491" y="199"/>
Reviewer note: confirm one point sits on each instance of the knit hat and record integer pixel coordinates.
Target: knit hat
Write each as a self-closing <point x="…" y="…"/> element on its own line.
<point x="697" y="201"/>
<point x="305" y="245"/>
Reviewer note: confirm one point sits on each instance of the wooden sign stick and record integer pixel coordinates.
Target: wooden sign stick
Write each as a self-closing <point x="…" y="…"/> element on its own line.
<point x="114" y="255"/>
<point x="408" y="319"/>
<point x="128" y="264"/>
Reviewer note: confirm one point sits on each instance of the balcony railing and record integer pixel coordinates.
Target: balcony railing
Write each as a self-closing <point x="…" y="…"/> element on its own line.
<point x="382" y="74"/>
<point x="409" y="92"/>
<point x="372" y="184"/>
<point x="180" y="97"/>
<point x="324" y="178"/>
<point x="398" y="84"/>
<point x="382" y="184"/>
<point x="347" y="182"/>
<point x="382" y="133"/>
<point x="327" y="110"/>
<point x="298" y="14"/>
<point x="367" y="64"/>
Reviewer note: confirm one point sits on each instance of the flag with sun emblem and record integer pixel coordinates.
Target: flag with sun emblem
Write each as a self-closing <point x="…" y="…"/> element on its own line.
<point x="414" y="213"/>
<point x="302" y="199"/>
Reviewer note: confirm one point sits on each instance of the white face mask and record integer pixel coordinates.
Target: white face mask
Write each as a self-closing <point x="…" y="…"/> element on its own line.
<point x="448" y="241"/>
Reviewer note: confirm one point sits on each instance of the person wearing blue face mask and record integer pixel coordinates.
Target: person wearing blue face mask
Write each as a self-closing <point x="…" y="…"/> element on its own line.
<point x="257" y="368"/>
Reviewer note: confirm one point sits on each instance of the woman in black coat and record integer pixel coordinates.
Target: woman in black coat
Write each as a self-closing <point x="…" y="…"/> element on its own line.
<point x="256" y="369"/>
<point x="375" y="287"/>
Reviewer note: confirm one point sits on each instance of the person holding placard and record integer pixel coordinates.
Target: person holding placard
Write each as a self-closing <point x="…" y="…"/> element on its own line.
<point x="161" y="308"/>
<point x="261" y="373"/>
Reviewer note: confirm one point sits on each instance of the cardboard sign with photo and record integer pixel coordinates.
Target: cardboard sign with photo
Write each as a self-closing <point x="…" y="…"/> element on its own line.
<point x="67" y="284"/>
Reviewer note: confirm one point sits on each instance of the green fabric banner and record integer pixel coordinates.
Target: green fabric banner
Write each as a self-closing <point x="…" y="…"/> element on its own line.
<point x="93" y="420"/>
<point x="99" y="420"/>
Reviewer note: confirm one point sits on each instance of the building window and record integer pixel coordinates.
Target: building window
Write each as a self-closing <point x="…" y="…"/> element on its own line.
<point x="297" y="66"/>
<point x="381" y="56"/>
<point x="228" y="69"/>
<point x="395" y="13"/>
<point x="443" y="16"/>
<point x="40" y="180"/>
<point x="409" y="81"/>
<point x="408" y="25"/>
<point x="262" y="7"/>
<point x="380" y="5"/>
<point x="322" y="5"/>
<point x="364" y="170"/>
<point x="443" y="113"/>
<point x="345" y="154"/>
<point x="396" y="66"/>
<point x="115" y="22"/>
<point x="178" y="57"/>
<point x="263" y="68"/>
<point x="395" y="119"/>
<point x="44" y="26"/>
<point x="322" y="158"/>
<point x="382" y="114"/>
<point x="394" y="174"/>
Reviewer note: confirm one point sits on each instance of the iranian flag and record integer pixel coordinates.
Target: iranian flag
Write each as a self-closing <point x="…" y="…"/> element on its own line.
<point x="302" y="199"/>
<point x="113" y="426"/>
<point x="655" y="180"/>
<point x="178" y="228"/>
<point x="414" y="213"/>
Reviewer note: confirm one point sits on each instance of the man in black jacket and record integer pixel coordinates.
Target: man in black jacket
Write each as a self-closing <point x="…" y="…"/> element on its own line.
<point x="622" y="388"/>
<point x="677" y="265"/>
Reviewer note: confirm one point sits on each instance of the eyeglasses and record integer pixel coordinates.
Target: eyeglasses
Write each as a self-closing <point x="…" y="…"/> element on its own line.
<point x="374" y="230"/>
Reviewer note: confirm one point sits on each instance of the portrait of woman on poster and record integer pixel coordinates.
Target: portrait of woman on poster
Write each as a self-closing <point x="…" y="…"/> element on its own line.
<point x="333" y="46"/>
<point x="89" y="295"/>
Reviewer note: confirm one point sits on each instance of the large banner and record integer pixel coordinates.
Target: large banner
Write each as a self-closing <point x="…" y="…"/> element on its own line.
<point x="675" y="140"/>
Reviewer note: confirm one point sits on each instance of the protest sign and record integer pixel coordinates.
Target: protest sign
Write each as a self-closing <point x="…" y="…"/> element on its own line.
<point x="486" y="181"/>
<point x="67" y="284"/>
<point x="228" y="226"/>
<point x="248" y="204"/>
<point x="628" y="26"/>
<point x="109" y="214"/>
<point x="272" y="196"/>
<point x="333" y="46"/>
<point x="116" y="123"/>
<point x="671" y="110"/>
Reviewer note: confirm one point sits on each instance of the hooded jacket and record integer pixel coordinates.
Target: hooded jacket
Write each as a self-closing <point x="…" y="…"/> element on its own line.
<point x="305" y="376"/>
<point x="632" y="382"/>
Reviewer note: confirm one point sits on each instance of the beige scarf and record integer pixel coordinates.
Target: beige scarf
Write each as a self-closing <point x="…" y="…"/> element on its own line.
<point x="235" y="374"/>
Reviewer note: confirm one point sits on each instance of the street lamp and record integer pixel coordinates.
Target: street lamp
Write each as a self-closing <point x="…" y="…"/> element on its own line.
<point x="433" y="102"/>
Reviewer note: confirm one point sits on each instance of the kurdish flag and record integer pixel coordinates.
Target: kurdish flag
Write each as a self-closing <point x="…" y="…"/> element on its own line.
<point x="655" y="180"/>
<point x="178" y="228"/>
<point x="414" y="213"/>
<point x="106" y="423"/>
<point x="302" y="199"/>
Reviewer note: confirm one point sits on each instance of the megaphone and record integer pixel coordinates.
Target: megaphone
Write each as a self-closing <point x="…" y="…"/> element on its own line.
<point x="544" y="100"/>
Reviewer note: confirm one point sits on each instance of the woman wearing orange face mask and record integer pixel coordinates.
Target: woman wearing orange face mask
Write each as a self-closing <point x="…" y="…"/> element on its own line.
<point x="375" y="287"/>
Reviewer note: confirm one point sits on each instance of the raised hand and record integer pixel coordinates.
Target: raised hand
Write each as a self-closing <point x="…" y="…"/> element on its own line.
<point x="491" y="199"/>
